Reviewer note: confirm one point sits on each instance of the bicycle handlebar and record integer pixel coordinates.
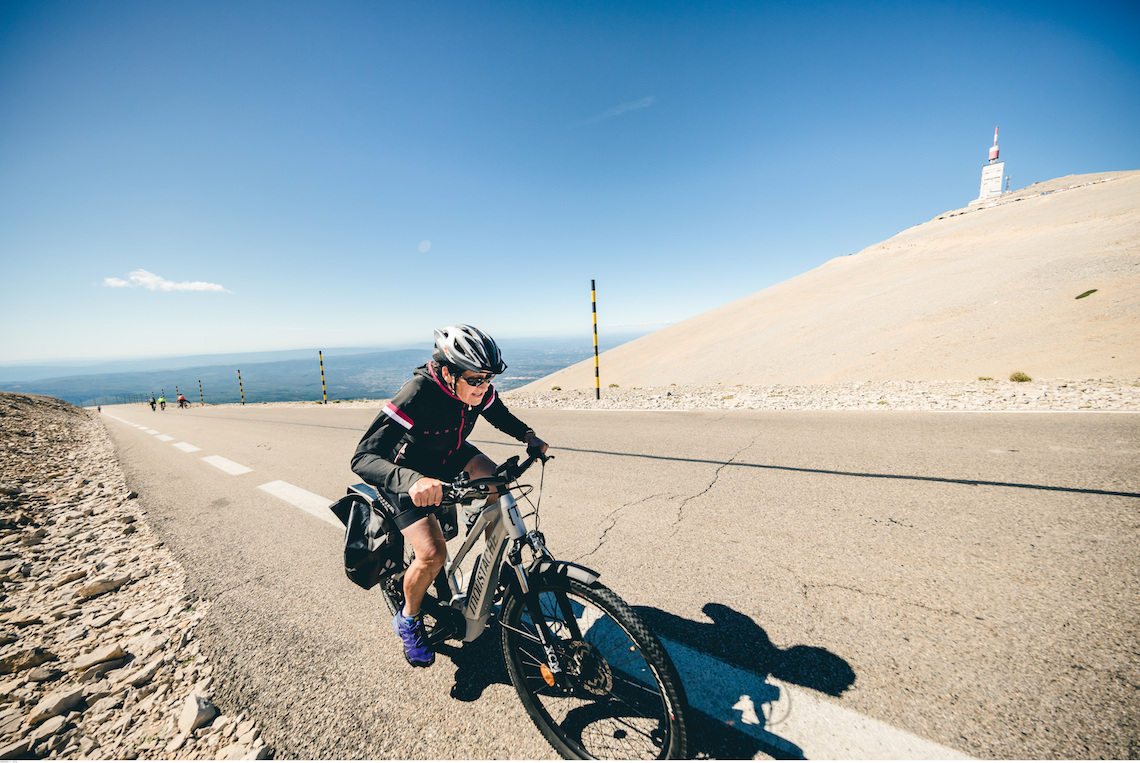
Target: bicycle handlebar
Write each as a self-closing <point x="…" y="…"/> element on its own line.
<point x="464" y="488"/>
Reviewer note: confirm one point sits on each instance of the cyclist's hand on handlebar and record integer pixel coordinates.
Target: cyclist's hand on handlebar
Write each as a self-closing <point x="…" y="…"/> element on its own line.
<point x="427" y="492"/>
<point x="535" y="443"/>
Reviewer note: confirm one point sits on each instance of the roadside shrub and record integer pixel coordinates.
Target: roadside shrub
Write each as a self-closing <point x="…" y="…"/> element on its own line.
<point x="985" y="378"/>
<point x="613" y="385"/>
<point x="1082" y="296"/>
<point x="1018" y="376"/>
<point x="556" y="388"/>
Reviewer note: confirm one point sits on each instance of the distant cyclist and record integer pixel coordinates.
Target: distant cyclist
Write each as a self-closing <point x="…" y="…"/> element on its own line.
<point x="182" y="401"/>
<point x="152" y="402"/>
<point x="419" y="441"/>
<point x="162" y="402"/>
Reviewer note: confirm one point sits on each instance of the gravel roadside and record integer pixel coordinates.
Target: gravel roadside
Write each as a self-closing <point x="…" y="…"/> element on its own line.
<point x="983" y="395"/>
<point x="97" y="652"/>
<point x="987" y="395"/>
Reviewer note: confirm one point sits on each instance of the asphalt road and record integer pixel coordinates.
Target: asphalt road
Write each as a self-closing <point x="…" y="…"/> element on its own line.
<point x="965" y="579"/>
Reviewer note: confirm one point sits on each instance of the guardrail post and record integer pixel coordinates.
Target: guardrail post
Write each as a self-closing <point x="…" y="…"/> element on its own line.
<point x="594" y="310"/>
<point x="324" y="392"/>
<point x="240" y="389"/>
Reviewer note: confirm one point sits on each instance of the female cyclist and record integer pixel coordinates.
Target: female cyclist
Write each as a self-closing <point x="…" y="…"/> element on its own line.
<point x="418" y="442"/>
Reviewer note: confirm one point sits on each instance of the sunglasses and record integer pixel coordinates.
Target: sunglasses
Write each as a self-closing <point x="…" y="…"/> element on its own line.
<point x="477" y="381"/>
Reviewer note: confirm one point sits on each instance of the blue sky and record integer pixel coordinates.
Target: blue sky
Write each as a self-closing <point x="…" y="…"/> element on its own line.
<point x="210" y="177"/>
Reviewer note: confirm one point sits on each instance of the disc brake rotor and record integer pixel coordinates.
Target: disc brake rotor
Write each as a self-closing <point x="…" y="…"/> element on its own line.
<point x="588" y="669"/>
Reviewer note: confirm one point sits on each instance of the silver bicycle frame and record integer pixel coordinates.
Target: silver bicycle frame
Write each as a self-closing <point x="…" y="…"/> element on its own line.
<point x="500" y="523"/>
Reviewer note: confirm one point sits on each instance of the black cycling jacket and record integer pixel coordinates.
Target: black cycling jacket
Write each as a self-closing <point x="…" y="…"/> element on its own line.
<point x="424" y="423"/>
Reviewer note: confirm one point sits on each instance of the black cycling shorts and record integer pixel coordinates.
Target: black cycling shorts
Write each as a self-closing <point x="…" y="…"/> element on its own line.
<point x="444" y="471"/>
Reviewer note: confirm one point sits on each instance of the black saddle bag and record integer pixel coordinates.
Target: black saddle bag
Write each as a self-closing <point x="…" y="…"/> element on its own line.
<point x="373" y="546"/>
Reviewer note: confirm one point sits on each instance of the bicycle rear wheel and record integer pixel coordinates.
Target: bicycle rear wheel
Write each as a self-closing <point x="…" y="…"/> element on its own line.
<point x="625" y="700"/>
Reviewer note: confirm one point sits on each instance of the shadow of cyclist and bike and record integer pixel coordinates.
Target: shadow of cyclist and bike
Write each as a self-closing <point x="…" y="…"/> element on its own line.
<point x="732" y="639"/>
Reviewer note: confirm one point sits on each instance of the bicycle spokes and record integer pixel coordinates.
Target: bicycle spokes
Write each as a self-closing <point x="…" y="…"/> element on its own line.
<point x="608" y="701"/>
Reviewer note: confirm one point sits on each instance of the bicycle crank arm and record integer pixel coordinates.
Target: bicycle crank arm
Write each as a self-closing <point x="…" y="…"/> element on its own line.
<point x="448" y="621"/>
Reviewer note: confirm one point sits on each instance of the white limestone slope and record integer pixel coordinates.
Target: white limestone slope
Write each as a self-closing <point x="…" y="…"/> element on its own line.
<point x="974" y="292"/>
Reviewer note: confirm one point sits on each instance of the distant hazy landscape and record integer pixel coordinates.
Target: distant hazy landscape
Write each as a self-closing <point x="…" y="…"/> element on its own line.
<point x="286" y="375"/>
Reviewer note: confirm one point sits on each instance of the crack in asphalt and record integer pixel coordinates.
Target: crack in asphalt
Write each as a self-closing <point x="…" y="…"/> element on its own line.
<point x="927" y="607"/>
<point x="613" y="517"/>
<point x="712" y="483"/>
<point x="225" y="591"/>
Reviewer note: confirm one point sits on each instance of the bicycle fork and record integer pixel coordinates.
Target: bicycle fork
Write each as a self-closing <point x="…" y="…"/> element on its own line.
<point x="552" y="672"/>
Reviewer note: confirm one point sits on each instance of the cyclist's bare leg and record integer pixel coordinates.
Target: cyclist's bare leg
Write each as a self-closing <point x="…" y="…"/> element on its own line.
<point x="426" y="538"/>
<point x="483" y="466"/>
<point x="480" y="466"/>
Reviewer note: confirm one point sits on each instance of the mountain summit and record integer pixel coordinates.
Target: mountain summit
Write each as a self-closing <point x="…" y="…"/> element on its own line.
<point x="1045" y="280"/>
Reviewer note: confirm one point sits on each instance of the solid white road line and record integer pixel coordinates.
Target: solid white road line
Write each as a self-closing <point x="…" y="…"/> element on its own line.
<point x="795" y="721"/>
<point x="316" y="505"/>
<point x="226" y="465"/>
<point x="165" y="437"/>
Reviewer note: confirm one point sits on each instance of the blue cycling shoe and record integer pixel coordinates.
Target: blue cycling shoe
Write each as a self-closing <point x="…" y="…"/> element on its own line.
<point x="411" y="632"/>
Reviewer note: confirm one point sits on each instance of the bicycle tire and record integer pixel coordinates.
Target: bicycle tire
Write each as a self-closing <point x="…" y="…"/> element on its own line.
<point x="627" y="701"/>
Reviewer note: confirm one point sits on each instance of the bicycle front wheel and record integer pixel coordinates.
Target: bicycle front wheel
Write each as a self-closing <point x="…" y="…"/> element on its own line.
<point x="624" y="699"/>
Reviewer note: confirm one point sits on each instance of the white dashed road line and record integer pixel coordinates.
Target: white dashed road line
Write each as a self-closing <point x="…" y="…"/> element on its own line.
<point x="186" y="447"/>
<point x="226" y="465"/>
<point x="164" y="437"/>
<point x="151" y="431"/>
<point x="316" y="505"/>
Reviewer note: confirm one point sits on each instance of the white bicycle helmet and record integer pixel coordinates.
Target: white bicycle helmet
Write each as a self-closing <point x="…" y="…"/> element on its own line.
<point x="468" y="349"/>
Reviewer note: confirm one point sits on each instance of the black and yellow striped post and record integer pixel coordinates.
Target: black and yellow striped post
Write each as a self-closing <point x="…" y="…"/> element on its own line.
<point x="597" y="372"/>
<point x="200" y="394"/>
<point x="321" y="358"/>
<point x="242" y="391"/>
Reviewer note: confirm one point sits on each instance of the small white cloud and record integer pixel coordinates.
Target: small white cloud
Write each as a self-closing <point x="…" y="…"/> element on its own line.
<point x="425" y="245"/>
<point x="625" y="108"/>
<point x="149" y="280"/>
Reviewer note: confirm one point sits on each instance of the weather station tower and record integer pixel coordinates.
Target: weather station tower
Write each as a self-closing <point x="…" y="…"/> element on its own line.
<point x="993" y="175"/>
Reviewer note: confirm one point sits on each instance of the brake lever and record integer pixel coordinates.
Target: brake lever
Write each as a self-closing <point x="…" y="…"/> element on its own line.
<point x="535" y="452"/>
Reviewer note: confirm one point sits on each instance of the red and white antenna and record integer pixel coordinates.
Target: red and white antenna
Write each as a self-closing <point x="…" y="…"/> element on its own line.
<point x="994" y="148"/>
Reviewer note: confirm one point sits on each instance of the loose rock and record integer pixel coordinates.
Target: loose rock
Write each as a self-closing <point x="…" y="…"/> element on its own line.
<point x="57" y="703"/>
